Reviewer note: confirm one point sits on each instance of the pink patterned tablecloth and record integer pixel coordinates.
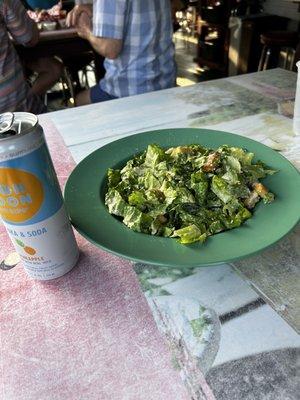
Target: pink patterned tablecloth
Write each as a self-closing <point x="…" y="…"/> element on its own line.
<point x="88" y="335"/>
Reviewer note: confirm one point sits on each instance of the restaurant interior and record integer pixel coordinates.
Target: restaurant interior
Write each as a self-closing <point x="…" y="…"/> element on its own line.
<point x="213" y="39"/>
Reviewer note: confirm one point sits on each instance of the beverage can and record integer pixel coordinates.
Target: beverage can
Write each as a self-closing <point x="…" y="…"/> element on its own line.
<point x="31" y="202"/>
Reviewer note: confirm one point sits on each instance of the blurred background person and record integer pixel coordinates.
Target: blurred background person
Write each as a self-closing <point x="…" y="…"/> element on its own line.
<point x="15" y="92"/>
<point x="135" y="37"/>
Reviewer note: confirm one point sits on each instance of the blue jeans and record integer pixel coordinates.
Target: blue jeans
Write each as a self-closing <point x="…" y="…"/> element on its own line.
<point x="98" y="95"/>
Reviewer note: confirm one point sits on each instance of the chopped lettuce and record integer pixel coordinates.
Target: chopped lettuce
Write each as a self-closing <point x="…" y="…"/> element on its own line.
<point x="221" y="189"/>
<point x="115" y="203"/>
<point x="187" y="192"/>
<point x="136" y="220"/>
<point x="114" y="177"/>
<point x="190" y="234"/>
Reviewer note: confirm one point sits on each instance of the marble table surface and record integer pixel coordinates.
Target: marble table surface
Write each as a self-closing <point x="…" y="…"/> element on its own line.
<point x="231" y="329"/>
<point x="257" y="105"/>
<point x="248" y="311"/>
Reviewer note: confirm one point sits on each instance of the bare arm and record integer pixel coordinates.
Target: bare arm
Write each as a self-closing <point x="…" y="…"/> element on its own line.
<point x="81" y="18"/>
<point x="108" y="48"/>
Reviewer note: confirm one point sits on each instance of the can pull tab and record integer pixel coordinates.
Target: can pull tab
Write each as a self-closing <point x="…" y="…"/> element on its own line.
<point x="6" y="122"/>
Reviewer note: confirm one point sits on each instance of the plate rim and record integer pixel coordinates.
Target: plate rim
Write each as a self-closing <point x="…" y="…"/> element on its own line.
<point x="164" y="263"/>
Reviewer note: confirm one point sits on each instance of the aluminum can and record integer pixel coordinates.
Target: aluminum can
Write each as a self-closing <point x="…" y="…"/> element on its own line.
<point x="31" y="202"/>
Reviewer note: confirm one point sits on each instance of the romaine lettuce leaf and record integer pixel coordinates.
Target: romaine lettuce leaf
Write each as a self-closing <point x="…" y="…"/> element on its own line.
<point x="190" y="234"/>
<point x="138" y="199"/>
<point x="136" y="220"/>
<point x="221" y="189"/>
<point x="199" y="184"/>
<point x="154" y="155"/>
<point x="243" y="156"/>
<point x="113" y="176"/>
<point x="115" y="203"/>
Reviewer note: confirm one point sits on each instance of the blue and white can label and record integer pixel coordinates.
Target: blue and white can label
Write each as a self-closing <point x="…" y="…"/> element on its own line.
<point x="32" y="208"/>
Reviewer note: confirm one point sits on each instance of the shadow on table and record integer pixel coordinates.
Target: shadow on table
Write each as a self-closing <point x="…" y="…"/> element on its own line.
<point x="264" y="376"/>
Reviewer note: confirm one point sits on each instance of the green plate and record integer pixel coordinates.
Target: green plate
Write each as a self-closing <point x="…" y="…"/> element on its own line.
<point x="86" y="188"/>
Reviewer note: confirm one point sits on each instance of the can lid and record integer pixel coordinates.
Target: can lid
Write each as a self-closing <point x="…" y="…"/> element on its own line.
<point x="6" y="121"/>
<point x="18" y="123"/>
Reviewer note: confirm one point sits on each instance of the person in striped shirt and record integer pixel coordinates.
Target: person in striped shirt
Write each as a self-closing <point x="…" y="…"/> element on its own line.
<point x="135" y="37"/>
<point x="15" y="93"/>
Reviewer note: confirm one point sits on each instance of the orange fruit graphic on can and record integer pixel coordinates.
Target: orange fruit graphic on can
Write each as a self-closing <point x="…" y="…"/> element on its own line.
<point x="29" y="250"/>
